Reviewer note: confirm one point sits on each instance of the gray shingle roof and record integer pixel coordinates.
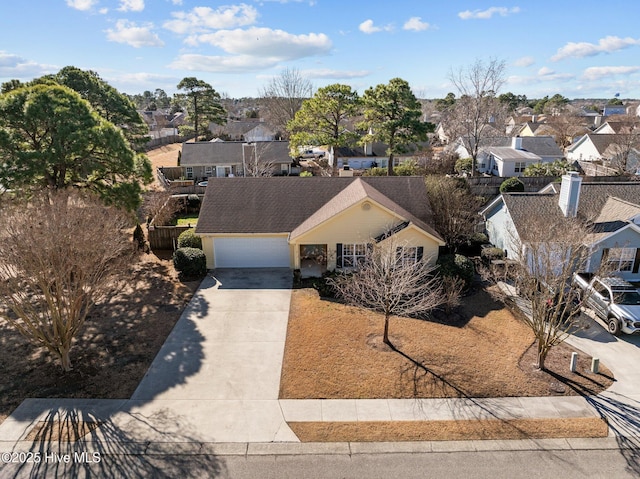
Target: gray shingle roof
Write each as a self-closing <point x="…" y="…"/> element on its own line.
<point x="281" y="204"/>
<point x="539" y="145"/>
<point x="205" y="153"/>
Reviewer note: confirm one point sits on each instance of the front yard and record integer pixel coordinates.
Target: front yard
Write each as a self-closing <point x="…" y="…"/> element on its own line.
<point x="336" y="351"/>
<point x="120" y="340"/>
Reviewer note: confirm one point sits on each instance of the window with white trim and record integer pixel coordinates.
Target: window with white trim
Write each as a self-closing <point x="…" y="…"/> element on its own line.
<point x="352" y="255"/>
<point x="189" y="172"/>
<point x="619" y="259"/>
<point x="519" y="166"/>
<point x="409" y="255"/>
<point x="208" y="171"/>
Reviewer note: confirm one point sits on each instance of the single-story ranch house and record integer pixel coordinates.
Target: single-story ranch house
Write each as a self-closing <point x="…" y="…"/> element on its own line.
<point x="313" y="224"/>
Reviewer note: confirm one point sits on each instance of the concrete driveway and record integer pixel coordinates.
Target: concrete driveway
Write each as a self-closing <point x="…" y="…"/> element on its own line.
<point x="229" y="347"/>
<point x="620" y="404"/>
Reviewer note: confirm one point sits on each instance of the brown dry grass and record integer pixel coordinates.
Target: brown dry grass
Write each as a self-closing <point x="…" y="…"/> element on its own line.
<point x="166" y="155"/>
<point x="118" y="343"/>
<point x="448" y="430"/>
<point x="334" y="351"/>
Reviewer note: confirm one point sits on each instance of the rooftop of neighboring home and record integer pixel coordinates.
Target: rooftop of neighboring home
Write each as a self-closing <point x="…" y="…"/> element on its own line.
<point x="233" y="152"/>
<point x="543" y="146"/>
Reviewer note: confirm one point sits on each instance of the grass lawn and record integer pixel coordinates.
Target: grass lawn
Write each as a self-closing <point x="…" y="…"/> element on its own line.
<point x="187" y="220"/>
<point x="335" y="351"/>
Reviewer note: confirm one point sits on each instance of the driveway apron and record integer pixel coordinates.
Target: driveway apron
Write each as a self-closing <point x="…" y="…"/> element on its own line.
<point x="217" y="376"/>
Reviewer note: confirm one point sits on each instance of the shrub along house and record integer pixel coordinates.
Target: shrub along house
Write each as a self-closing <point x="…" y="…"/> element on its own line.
<point x="313" y="224"/>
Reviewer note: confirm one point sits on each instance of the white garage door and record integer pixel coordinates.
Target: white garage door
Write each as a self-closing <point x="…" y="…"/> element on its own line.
<point x="243" y="252"/>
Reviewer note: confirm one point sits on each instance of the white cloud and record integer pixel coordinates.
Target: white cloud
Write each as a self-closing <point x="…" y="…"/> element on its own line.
<point x="545" y="71"/>
<point x="201" y="19"/>
<point x="103" y="11"/>
<point x="267" y="43"/>
<point x="13" y="66"/>
<point x="488" y="13"/>
<point x="368" y="27"/>
<point x="220" y="64"/>
<point x="131" y="5"/>
<point x="335" y="74"/>
<point x="415" y="24"/>
<point x="585" y="49"/>
<point x="595" y="73"/>
<point x="176" y="2"/>
<point x="524" y="62"/>
<point x="134" y="35"/>
<point x="81" y="4"/>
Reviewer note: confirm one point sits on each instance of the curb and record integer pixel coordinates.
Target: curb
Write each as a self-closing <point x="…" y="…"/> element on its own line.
<point x="320" y="449"/>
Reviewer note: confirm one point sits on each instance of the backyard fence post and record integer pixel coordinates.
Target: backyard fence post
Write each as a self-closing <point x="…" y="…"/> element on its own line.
<point x="574" y="362"/>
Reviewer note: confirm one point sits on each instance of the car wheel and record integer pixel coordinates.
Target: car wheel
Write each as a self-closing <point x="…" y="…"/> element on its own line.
<point x="613" y="326"/>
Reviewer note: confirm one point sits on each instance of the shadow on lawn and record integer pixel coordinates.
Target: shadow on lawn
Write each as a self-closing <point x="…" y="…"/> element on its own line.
<point x="108" y="364"/>
<point x="65" y="447"/>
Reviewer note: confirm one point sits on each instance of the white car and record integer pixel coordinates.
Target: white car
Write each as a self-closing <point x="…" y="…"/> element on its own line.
<point x="203" y="183"/>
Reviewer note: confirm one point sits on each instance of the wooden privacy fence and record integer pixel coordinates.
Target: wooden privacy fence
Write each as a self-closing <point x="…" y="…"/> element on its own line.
<point x="165" y="237"/>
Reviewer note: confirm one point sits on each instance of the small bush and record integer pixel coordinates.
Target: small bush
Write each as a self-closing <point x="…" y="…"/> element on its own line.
<point x="193" y="202"/>
<point x="190" y="262"/>
<point x="138" y="238"/>
<point x="305" y="174"/>
<point x="457" y="266"/>
<point x="464" y="166"/>
<point x="512" y="185"/>
<point x="188" y="239"/>
<point x="490" y="254"/>
<point x="375" y="171"/>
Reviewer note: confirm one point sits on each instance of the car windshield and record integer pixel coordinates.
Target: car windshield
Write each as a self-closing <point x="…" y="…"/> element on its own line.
<point x="628" y="298"/>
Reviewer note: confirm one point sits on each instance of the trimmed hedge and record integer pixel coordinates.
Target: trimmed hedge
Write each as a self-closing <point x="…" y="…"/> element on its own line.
<point x="190" y="262"/>
<point x="512" y="185"/>
<point x="189" y="239"/>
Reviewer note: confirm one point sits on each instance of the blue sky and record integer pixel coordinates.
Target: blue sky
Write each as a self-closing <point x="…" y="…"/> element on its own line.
<point x="580" y="49"/>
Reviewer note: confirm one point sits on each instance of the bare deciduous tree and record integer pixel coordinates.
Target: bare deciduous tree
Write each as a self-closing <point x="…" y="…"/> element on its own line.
<point x="391" y="284"/>
<point x="61" y="252"/>
<point x="257" y="159"/>
<point x="477" y="113"/>
<point x="454" y="209"/>
<point x="282" y="97"/>
<point x="550" y="252"/>
<point x="625" y="146"/>
<point x="160" y="206"/>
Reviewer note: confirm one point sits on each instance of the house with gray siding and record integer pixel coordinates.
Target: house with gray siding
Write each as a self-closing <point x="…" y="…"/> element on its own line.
<point x="609" y="210"/>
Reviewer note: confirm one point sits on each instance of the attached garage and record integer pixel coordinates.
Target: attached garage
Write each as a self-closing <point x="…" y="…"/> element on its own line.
<point x="251" y="252"/>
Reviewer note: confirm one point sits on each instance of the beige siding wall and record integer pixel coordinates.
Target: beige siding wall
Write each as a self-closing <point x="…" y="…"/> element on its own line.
<point x="357" y="225"/>
<point x="414" y="237"/>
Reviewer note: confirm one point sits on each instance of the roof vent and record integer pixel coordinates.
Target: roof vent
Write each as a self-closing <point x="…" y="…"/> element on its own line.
<point x="366" y="206"/>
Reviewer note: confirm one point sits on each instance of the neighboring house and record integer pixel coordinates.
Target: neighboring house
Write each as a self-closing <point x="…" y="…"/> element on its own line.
<point x="370" y="155"/>
<point x="204" y="159"/>
<point x="611" y="212"/>
<point x="535" y="129"/>
<point x="509" y="156"/>
<point x="602" y="147"/>
<point x="247" y="131"/>
<point x="611" y="127"/>
<point x="614" y="110"/>
<point x="313" y="224"/>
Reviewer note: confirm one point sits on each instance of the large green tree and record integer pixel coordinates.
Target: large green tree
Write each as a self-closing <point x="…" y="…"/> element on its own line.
<point x="322" y="119"/>
<point x="50" y="137"/>
<point x="202" y="104"/>
<point x="392" y="115"/>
